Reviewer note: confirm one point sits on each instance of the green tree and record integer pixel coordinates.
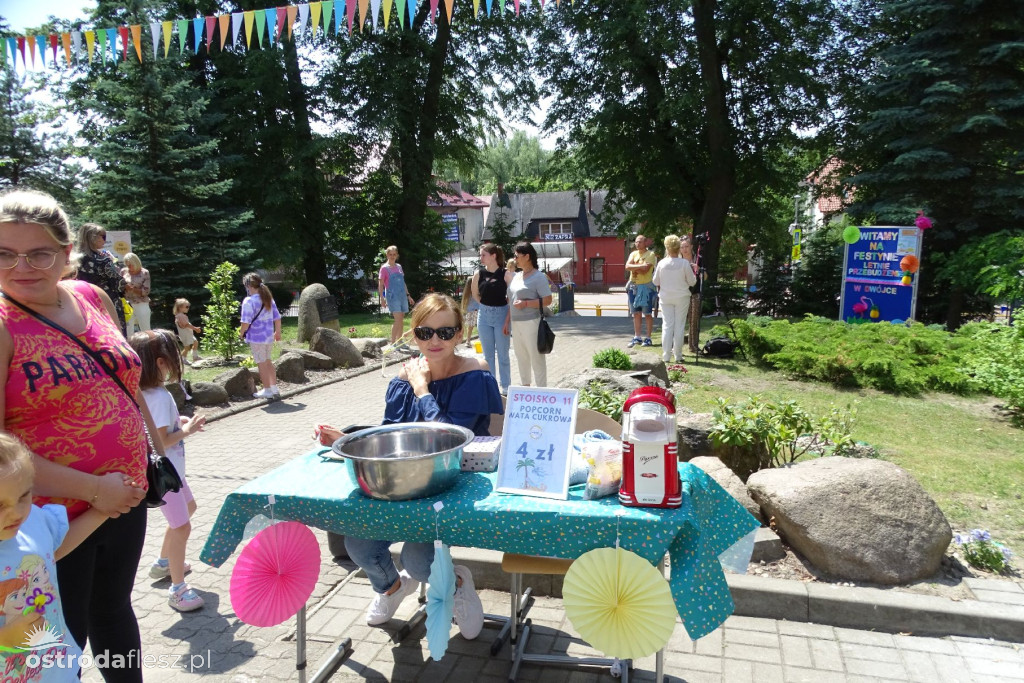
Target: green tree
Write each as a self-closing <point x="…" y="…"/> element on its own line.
<point x="679" y="111"/>
<point x="158" y="171"/>
<point x="220" y="331"/>
<point x="941" y="129"/>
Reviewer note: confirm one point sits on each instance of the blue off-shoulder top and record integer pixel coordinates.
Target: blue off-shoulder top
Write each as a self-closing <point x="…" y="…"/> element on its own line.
<point x="467" y="399"/>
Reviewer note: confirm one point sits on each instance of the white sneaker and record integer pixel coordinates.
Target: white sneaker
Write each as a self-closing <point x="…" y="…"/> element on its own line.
<point x="275" y="391"/>
<point x="468" y="610"/>
<point x="384" y="606"/>
<point x="263" y="393"/>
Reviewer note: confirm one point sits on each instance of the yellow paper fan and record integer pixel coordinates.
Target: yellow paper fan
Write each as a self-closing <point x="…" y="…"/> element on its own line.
<point x="619" y="603"/>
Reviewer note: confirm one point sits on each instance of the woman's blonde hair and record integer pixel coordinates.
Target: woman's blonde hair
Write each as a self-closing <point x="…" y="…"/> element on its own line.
<point x="86" y="232"/>
<point x="29" y="206"/>
<point x="467" y="295"/>
<point x="672" y="244"/>
<point x="391" y="248"/>
<point x="132" y="259"/>
<point x="180" y="304"/>
<point x="14" y="456"/>
<point x="435" y="303"/>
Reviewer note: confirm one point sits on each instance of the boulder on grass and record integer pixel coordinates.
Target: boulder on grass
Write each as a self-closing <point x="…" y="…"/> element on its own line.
<point x="208" y="394"/>
<point x="240" y="382"/>
<point x="337" y="347"/>
<point x="693" y="434"/>
<point x="860" y="520"/>
<point x="369" y="347"/>
<point x="728" y="481"/>
<point x="313" y="360"/>
<point x="616" y="381"/>
<point x="290" y="368"/>
<point x="653" y="366"/>
<point x="309" y="313"/>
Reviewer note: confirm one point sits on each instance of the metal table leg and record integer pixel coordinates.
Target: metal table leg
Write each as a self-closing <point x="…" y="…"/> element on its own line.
<point x="342" y="652"/>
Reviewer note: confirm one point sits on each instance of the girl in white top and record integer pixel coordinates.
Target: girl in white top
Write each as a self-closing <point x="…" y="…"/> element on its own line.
<point x="673" y="276"/>
<point x="528" y="292"/>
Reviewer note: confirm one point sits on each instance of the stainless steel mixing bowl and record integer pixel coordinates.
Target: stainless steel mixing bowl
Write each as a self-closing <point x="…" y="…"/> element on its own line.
<point x="405" y="461"/>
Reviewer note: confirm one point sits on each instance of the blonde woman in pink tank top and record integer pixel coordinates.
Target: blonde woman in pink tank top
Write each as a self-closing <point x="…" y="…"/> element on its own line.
<point x="85" y="432"/>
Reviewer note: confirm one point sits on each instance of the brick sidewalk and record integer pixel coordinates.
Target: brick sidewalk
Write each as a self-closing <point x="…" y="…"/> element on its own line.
<point x="219" y="647"/>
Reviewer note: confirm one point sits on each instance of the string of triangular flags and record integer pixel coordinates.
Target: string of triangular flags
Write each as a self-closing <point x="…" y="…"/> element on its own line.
<point x="291" y="22"/>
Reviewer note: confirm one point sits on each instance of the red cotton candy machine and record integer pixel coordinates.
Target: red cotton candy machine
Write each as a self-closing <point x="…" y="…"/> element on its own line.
<point x="650" y="474"/>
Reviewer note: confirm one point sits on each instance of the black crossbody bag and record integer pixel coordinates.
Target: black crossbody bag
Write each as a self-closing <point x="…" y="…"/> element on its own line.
<point x="160" y="473"/>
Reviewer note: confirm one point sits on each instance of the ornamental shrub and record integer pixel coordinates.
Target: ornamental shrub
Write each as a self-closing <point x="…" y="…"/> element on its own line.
<point x="613" y="359"/>
<point x="220" y="331"/>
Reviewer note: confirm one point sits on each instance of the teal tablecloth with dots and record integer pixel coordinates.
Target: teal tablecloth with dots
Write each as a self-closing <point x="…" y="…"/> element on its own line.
<point x="321" y="493"/>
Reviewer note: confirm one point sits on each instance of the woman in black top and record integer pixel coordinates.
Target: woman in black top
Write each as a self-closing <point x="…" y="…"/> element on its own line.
<point x="97" y="266"/>
<point x="490" y="288"/>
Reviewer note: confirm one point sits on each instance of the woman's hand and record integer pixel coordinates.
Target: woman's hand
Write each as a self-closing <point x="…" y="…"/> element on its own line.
<point x="505" y="329"/>
<point x="418" y="373"/>
<point x="116" y="494"/>
<point x="327" y="435"/>
<point x="520" y="303"/>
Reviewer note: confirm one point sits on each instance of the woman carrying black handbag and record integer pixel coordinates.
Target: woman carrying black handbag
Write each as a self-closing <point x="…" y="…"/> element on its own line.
<point x="529" y="292"/>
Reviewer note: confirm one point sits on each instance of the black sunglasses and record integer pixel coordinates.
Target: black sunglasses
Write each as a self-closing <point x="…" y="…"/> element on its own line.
<point x="443" y="333"/>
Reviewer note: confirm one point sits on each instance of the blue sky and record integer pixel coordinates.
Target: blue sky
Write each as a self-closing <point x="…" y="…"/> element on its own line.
<point x="22" y="14"/>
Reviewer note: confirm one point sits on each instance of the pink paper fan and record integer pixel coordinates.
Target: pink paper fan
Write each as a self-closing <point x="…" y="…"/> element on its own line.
<point x="275" y="574"/>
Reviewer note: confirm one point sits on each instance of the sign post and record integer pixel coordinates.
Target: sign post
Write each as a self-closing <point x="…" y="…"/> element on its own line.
<point x="536" y="442"/>
<point x="875" y="286"/>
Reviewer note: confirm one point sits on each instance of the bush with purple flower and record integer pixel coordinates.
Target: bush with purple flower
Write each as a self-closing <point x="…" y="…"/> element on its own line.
<point x="982" y="552"/>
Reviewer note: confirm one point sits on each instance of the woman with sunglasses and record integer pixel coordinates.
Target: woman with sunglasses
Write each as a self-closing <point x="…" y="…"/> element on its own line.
<point x="528" y="293"/>
<point x="97" y="266"/>
<point x="83" y="426"/>
<point x="439" y="386"/>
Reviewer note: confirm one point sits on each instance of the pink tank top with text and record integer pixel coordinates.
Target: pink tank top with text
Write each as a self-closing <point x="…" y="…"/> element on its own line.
<point x="63" y="405"/>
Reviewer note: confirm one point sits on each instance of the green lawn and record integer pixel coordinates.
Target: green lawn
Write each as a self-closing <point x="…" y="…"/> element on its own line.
<point x="962" y="451"/>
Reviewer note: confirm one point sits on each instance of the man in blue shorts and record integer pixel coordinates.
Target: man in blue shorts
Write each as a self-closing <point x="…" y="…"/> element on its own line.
<point x="640" y="291"/>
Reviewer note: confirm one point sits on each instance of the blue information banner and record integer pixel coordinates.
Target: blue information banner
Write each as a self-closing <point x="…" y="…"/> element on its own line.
<point x="875" y="286"/>
<point x="451" y="226"/>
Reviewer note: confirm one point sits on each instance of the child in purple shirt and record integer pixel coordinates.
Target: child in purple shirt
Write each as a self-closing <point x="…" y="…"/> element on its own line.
<point x="261" y="327"/>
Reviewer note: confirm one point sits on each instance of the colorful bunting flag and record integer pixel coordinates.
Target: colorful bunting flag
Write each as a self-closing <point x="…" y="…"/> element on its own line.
<point x="489" y="7"/>
<point x="411" y="4"/>
<point x="21" y="48"/>
<point x="433" y="10"/>
<point x="137" y="40"/>
<point x="339" y="12"/>
<point x="236" y="26"/>
<point x="182" y="35"/>
<point x="65" y="39"/>
<point x="248" y="17"/>
<point x="154" y="34"/>
<point x="167" y="37"/>
<point x="401" y="13"/>
<point x="211" y="23"/>
<point x="123" y="32"/>
<point x="90" y="43"/>
<point x="350" y="13"/>
<point x="374" y="12"/>
<point x="516" y="3"/>
<point x="112" y="40"/>
<point x="387" y="12"/>
<point x="291" y="12"/>
<point x="101" y="38"/>
<point x="281" y="18"/>
<point x="448" y="9"/>
<point x="314" y="14"/>
<point x="197" y="34"/>
<point x="3" y="51"/>
<point x="271" y="21"/>
<point x="328" y="9"/>
<point x="223" y="23"/>
<point x="76" y="42"/>
<point x="53" y="46"/>
<point x="476" y="8"/>
<point x="303" y="17"/>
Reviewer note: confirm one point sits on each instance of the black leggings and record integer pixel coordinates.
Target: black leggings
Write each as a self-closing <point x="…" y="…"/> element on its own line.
<point x="96" y="582"/>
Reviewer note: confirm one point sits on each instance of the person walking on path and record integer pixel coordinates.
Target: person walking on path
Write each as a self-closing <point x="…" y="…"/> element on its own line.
<point x="161" y="363"/>
<point x="528" y="292"/>
<point x="186" y="330"/>
<point x="673" y="277"/>
<point x="261" y="327"/>
<point x="640" y="291"/>
<point x="86" y="430"/>
<point x="392" y="289"/>
<point x="490" y="288"/>
<point x="136" y="290"/>
<point x="97" y="267"/>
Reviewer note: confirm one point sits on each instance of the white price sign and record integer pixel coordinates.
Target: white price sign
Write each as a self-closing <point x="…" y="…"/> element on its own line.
<point x="537" y="442"/>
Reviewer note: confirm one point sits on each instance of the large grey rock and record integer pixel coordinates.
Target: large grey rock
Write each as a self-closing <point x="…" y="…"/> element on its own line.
<point x="337" y="347"/>
<point x="369" y="347"/>
<point x="290" y="368"/>
<point x="240" y="382"/>
<point x="728" y="481"/>
<point x="617" y="381"/>
<point x="309" y="316"/>
<point x="313" y="360"/>
<point x="653" y="366"/>
<point x="860" y="520"/>
<point x="208" y="394"/>
<point x="693" y="432"/>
